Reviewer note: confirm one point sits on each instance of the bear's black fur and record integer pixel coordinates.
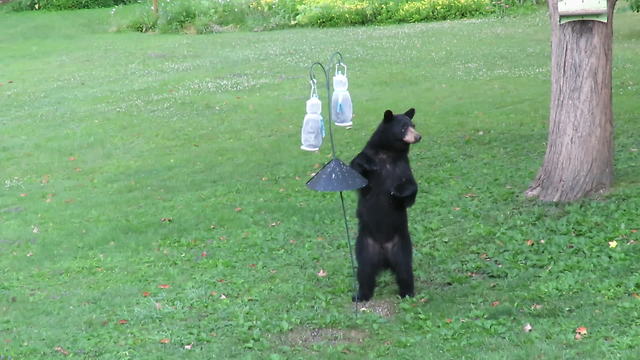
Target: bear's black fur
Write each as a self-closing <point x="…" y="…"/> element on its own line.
<point x="383" y="235"/>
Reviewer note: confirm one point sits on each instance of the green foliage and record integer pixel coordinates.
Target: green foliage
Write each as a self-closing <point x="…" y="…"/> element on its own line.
<point x="144" y="21"/>
<point x="176" y="16"/>
<point x="23" y="5"/>
<point x="634" y="5"/>
<point x="338" y="12"/>
<point x="207" y="16"/>
<point x="105" y="137"/>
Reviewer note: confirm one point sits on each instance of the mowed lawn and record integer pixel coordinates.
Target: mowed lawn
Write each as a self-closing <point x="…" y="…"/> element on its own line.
<point x="153" y="201"/>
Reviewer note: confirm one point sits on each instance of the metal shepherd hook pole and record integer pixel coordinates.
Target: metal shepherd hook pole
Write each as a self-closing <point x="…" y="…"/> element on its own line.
<point x="336" y="175"/>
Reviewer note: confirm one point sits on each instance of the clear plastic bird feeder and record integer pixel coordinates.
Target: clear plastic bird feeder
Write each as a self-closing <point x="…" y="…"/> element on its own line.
<point x="341" y="106"/>
<point x="313" y="125"/>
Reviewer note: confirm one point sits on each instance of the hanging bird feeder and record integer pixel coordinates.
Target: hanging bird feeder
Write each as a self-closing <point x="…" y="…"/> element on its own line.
<point x="335" y="175"/>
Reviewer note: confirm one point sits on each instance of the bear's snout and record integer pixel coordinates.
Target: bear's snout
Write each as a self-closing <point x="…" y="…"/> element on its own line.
<point x="412" y="136"/>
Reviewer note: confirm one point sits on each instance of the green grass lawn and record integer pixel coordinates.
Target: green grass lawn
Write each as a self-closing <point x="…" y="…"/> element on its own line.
<point x="130" y="161"/>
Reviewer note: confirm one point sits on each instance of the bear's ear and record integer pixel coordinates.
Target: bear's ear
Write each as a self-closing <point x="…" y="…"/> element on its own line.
<point x="388" y="116"/>
<point x="410" y="113"/>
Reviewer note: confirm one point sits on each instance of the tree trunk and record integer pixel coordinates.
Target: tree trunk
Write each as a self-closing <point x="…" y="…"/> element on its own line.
<point x="579" y="157"/>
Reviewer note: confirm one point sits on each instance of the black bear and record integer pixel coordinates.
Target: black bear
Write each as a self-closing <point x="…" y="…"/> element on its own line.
<point x="383" y="234"/>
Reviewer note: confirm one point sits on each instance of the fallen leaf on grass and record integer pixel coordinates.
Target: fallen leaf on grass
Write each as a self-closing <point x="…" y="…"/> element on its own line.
<point x="536" y="307"/>
<point x="123" y="322"/>
<point x="613" y="244"/>
<point x="166" y="220"/>
<point x="238" y="209"/>
<point x="61" y="350"/>
<point x="530" y="242"/>
<point x="72" y="158"/>
<point x="581" y="330"/>
<point x="165" y="341"/>
<point x="470" y="195"/>
<point x="146" y="293"/>
<point x="158" y="306"/>
<point x="495" y="303"/>
<point x="164" y="286"/>
<point x="322" y="273"/>
<point x="527" y="328"/>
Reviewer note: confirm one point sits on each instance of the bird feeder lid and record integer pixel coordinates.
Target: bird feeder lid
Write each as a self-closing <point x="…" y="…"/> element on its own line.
<point x="571" y="10"/>
<point x="336" y="176"/>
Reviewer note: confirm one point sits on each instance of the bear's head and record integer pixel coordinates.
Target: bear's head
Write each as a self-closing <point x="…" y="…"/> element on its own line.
<point x="396" y="132"/>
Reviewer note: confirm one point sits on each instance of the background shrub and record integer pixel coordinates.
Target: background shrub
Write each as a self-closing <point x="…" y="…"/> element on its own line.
<point x="175" y="16"/>
<point x="202" y="16"/>
<point x="23" y="5"/>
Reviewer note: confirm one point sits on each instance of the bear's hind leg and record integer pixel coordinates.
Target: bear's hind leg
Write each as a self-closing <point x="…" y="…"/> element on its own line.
<point x="369" y="256"/>
<point x="400" y="257"/>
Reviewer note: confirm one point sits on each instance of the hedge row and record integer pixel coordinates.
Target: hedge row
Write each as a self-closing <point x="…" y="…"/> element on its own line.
<point x="203" y="16"/>
<point x="357" y="12"/>
<point x="198" y="16"/>
<point x="23" y="5"/>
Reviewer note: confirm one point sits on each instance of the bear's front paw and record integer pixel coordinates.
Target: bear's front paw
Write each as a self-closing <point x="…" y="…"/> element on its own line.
<point x="364" y="164"/>
<point x="404" y="190"/>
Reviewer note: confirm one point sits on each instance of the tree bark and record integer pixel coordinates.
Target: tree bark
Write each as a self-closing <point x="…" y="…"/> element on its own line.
<point x="579" y="157"/>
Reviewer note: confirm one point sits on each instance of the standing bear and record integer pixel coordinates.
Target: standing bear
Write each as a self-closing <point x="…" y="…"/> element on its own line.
<point x="383" y="234"/>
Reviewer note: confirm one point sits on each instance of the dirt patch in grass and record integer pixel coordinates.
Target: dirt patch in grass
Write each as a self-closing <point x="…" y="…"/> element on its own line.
<point x="306" y="337"/>
<point x="384" y="308"/>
